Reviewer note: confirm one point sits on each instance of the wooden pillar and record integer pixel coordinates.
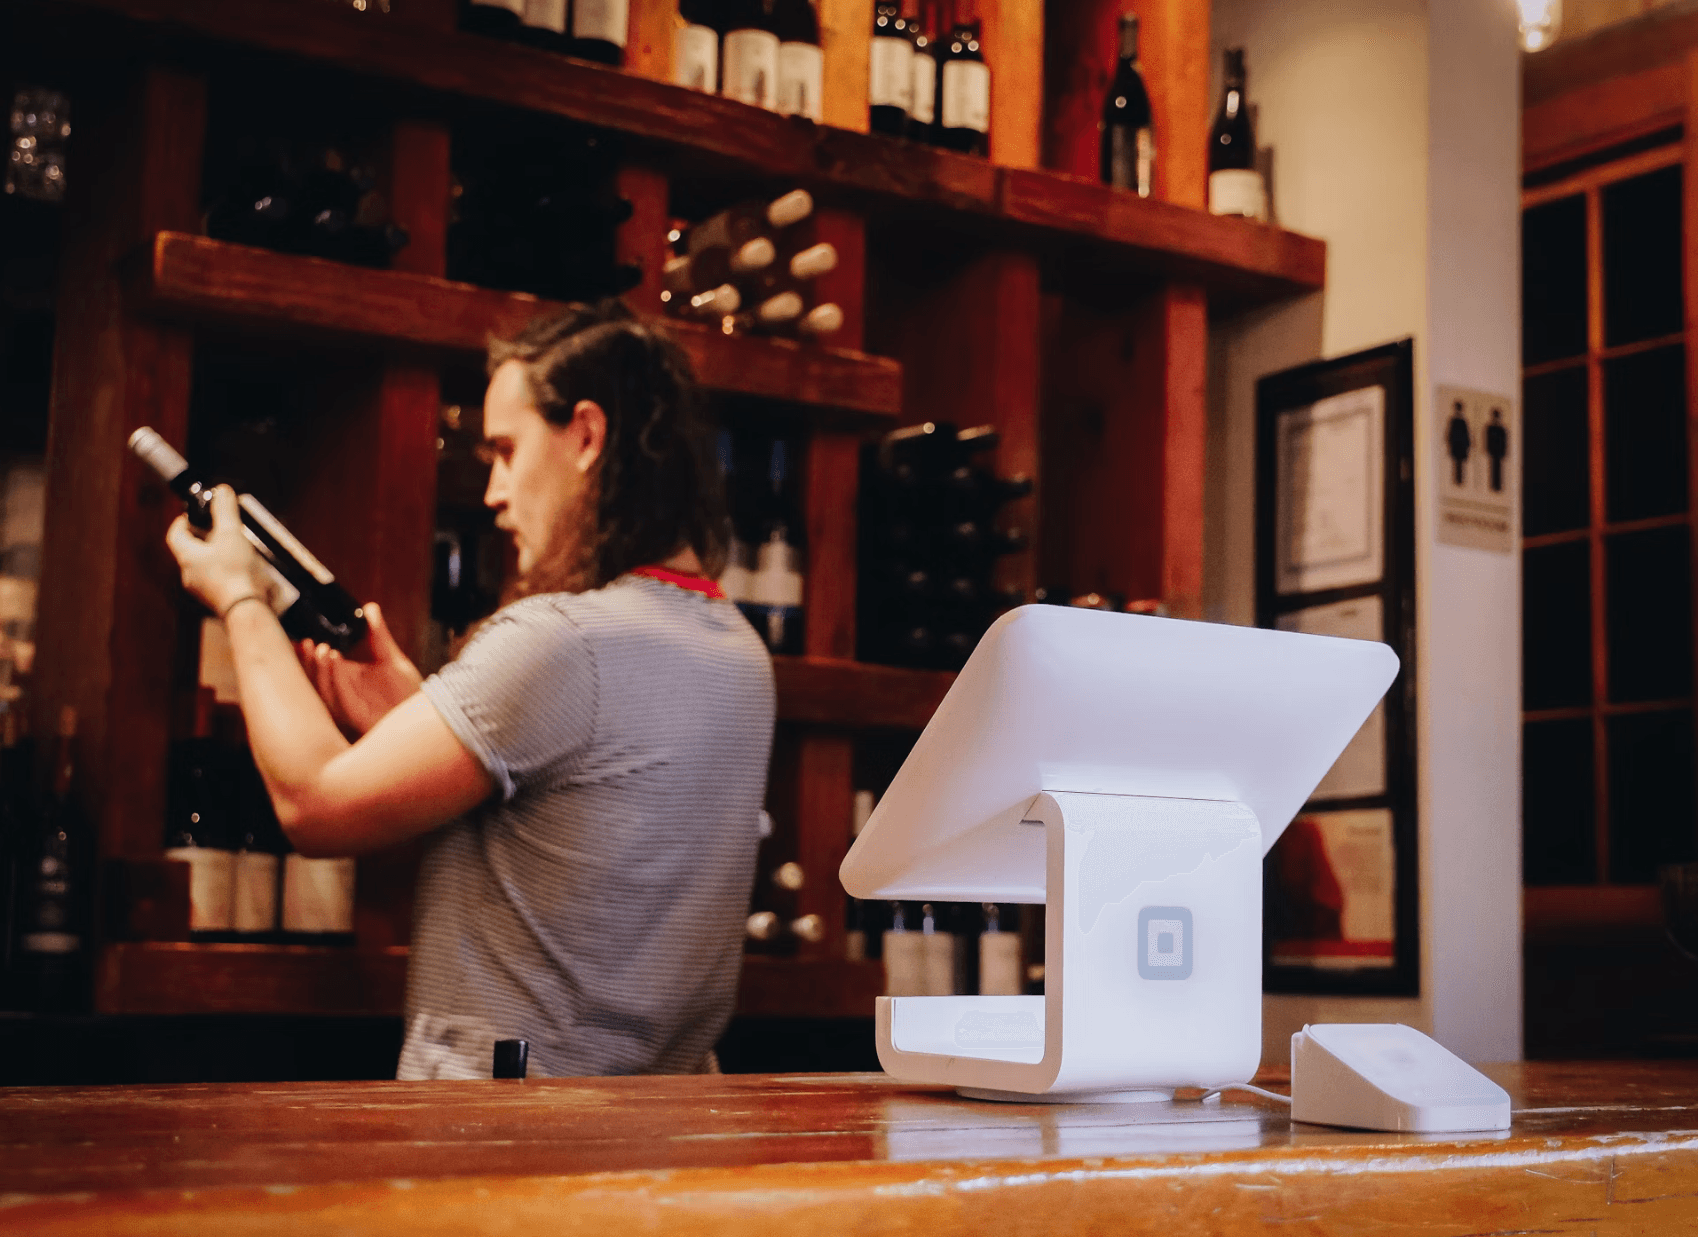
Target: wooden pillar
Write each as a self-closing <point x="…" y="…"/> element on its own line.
<point x="108" y="617"/>
<point x="641" y="240"/>
<point x="846" y="38"/>
<point x="648" y="42"/>
<point x="1080" y="52"/>
<point x="1012" y="35"/>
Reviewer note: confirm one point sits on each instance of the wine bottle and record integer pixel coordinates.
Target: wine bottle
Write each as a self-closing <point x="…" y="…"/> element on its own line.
<point x="1128" y="132"/>
<point x="771" y="316"/>
<point x="751" y="54"/>
<point x="683" y="277"/>
<point x="922" y="104"/>
<point x="499" y="19"/>
<point x="768" y="279"/>
<point x="904" y="955"/>
<point x="739" y="558"/>
<point x="716" y="305"/>
<point x="259" y="855"/>
<point x="890" y="85"/>
<point x="746" y="221"/>
<point x="1000" y="972"/>
<point x="855" y="918"/>
<point x="52" y="947"/>
<point x="318" y="899"/>
<point x="14" y="843"/>
<point x="695" y="46"/>
<point x="600" y="29"/>
<point x="198" y="825"/>
<point x="820" y="321"/>
<point x="966" y="87"/>
<point x="801" y="64"/>
<point x="307" y="599"/>
<point x="543" y="24"/>
<point x="1235" y="186"/>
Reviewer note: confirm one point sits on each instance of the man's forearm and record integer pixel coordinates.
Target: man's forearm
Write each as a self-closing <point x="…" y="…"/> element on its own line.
<point x="290" y="731"/>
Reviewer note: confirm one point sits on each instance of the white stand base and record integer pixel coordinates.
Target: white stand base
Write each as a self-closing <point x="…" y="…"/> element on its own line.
<point x="1078" y="1097"/>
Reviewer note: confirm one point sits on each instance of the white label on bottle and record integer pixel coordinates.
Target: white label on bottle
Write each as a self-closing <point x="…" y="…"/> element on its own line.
<point x="695" y="58"/>
<point x="999" y="964"/>
<point x="286" y="539"/>
<point x="904" y="964"/>
<point x="1238" y="191"/>
<point x="318" y="894"/>
<point x="801" y="80"/>
<point x="938" y="949"/>
<point x="892" y="81"/>
<point x="52" y="942"/>
<point x="607" y="20"/>
<point x="751" y="67"/>
<point x="211" y="886"/>
<point x="255" y="901"/>
<point x="546" y="15"/>
<point x="218" y="663"/>
<point x="966" y="95"/>
<point x="924" y="108"/>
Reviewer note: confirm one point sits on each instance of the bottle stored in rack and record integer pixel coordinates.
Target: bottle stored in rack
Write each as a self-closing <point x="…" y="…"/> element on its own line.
<point x="695" y="46"/>
<point x="801" y="63"/>
<point x="964" y="90"/>
<point x="1235" y="186"/>
<point x="750" y="54"/>
<point x="1128" y="131"/>
<point x="890" y="85"/>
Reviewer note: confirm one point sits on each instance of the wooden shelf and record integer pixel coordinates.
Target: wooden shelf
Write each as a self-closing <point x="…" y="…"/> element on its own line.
<point x="800" y="988"/>
<point x="1238" y="262"/>
<point x="175" y="977"/>
<point x="856" y="695"/>
<point x="205" y="280"/>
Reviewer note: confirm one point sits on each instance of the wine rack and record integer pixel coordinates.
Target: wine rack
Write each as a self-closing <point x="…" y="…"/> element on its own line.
<point x="976" y="291"/>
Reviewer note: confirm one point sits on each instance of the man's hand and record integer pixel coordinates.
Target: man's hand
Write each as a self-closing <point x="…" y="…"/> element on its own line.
<point x="221" y="567"/>
<point x="359" y="693"/>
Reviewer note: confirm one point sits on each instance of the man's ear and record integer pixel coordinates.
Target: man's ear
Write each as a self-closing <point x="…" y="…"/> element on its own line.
<point x="589" y="433"/>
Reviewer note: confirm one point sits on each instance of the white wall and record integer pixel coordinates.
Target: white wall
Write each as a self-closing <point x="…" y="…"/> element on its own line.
<point x="1394" y="126"/>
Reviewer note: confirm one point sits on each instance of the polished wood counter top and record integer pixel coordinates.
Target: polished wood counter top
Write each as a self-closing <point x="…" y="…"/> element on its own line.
<point x="1595" y="1148"/>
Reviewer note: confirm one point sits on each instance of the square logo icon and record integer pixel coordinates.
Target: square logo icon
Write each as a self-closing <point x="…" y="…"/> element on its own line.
<point x="1164" y="942"/>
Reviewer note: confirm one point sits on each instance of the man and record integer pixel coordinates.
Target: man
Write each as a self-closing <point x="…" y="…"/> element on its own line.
<point x="589" y="769"/>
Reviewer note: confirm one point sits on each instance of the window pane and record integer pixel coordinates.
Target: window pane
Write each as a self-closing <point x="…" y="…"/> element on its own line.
<point x="1556" y="622"/>
<point x="1651" y="799"/>
<point x="1555" y="485"/>
<point x="1557" y="846"/>
<point x="1642" y="257"/>
<point x="1649" y="603"/>
<point x="1645" y="433"/>
<point x="1553" y="280"/>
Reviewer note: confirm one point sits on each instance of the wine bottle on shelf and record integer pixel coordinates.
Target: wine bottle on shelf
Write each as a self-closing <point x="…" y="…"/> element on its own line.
<point x="739" y="558"/>
<point x="801" y="63"/>
<point x="198" y="828"/>
<point x="543" y="24"/>
<point x="499" y="19"/>
<point x="922" y="104"/>
<point x="768" y="279"/>
<point x="904" y="954"/>
<point x="600" y="30"/>
<point x="1235" y="186"/>
<point x="937" y="951"/>
<point x="750" y="54"/>
<point x="53" y="944"/>
<point x="1128" y="130"/>
<point x="683" y="277"/>
<point x="259" y="854"/>
<point x="318" y="899"/>
<point x="820" y="321"/>
<point x="746" y="221"/>
<point x="890" y="84"/>
<point x="965" y="89"/>
<point x="309" y="602"/>
<point x="776" y="589"/>
<point x="771" y="316"/>
<point x="1000" y="969"/>
<point x="695" y="46"/>
<point x="855" y="918"/>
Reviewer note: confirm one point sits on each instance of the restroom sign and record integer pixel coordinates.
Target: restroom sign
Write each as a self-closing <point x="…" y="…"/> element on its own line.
<point x="1478" y="441"/>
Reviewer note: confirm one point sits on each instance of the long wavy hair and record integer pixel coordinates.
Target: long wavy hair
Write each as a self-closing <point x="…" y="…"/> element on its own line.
<point x="656" y="488"/>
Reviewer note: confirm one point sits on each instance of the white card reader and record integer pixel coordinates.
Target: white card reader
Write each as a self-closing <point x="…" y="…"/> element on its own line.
<point x="1386" y="1076"/>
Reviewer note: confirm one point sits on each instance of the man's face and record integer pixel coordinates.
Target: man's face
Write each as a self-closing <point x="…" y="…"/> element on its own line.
<point x="538" y="471"/>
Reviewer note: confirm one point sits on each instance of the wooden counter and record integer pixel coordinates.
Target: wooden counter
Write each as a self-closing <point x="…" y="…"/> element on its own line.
<point x="1595" y="1149"/>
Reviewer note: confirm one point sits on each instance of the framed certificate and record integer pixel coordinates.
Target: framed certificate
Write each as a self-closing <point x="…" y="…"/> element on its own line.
<point x="1335" y="556"/>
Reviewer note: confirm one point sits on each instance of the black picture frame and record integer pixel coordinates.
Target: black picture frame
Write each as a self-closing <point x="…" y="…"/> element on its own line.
<point x="1390" y="367"/>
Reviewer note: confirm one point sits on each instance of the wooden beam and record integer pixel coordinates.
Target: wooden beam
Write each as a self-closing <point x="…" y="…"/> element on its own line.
<point x="1598" y="115"/>
<point x="1013" y="41"/>
<point x="846" y="38"/>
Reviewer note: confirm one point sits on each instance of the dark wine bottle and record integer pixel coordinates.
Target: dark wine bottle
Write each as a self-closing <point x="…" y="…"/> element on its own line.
<point x="801" y="63"/>
<point x="1235" y="186"/>
<point x="543" y="24"/>
<point x="499" y="19"/>
<point x="890" y="86"/>
<point x="307" y="599"/>
<point x="695" y="46"/>
<point x="922" y="99"/>
<point x="198" y="828"/>
<point x="600" y="29"/>
<point x="53" y="946"/>
<point x="745" y="222"/>
<point x="706" y="269"/>
<point x="1128" y="132"/>
<point x="750" y="54"/>
<point x="965" y="90"/>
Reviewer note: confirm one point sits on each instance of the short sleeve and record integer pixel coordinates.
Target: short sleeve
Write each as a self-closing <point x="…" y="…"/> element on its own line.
<point x="522" y="694"/>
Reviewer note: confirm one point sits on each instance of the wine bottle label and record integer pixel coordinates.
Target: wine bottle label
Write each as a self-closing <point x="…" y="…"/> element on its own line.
<point x="801" y="80"/>
<point x="255" y="902"/>
<point x="1132" y="159"/>
<point x="1238" y="191"/>
<point x="283" y="537"/>
<point x="318" y="894"/>
<point x="218" y="663"/>
<point x="607" y="20"/>
<point x="211" y="886"/>
<point x="892" y="80"/>
<point x="52" y="942"/>
<point x="546" y="15"/>
<point x="904" y="964"/>
<point x="751" y="67"/>
<point x="999" y="964"/>
<point x="695" y="58"/>
<point x="966" y="95"/>
<point x="924" y="109"/>
<point x="938" y="950"/>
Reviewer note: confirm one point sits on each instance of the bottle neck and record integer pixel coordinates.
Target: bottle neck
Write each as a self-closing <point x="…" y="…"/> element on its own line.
<point x="1129" y="43"/>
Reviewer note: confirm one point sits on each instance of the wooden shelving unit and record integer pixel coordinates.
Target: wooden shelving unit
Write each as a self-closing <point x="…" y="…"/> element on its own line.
<point x="975" y="291"/>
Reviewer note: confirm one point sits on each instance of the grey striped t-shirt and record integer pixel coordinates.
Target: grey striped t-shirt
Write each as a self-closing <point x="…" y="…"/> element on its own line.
<point x="595" y="904"/>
